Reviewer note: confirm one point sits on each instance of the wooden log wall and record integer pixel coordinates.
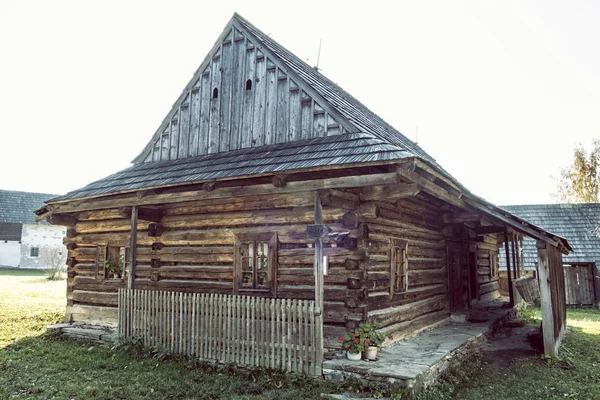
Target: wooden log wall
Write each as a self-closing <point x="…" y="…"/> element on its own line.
<point x="487" y="268"/>
<point x="240" y="98"/>
<point x="425" y="303"/>
<point x="195" y="252"/>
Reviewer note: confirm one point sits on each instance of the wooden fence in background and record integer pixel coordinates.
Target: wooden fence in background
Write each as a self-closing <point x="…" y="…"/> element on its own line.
<point x="249" y="331"/>
<point x="579" y="284"/>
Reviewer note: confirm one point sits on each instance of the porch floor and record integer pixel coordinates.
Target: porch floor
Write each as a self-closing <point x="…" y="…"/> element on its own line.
<point x="417" y="362"/>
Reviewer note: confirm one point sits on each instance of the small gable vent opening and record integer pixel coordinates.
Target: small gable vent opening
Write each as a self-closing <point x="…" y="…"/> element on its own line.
<point x="249" y="84"/>
<point x="215" y="93"/>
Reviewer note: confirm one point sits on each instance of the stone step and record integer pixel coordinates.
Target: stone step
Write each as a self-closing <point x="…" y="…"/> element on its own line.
<point x="89" y="333"/>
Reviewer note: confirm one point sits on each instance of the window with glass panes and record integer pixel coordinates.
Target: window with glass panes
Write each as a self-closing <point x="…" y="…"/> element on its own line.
<point x="255" y="265"/>
<point x="255" y="262"/>
<point x="398" y="266"/>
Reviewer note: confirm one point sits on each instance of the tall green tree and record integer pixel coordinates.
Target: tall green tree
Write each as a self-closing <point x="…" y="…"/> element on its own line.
<point x="579" y="182"/>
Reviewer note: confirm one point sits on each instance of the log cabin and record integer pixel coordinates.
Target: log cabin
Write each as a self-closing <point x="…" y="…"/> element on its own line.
<point x="268" y="180"/>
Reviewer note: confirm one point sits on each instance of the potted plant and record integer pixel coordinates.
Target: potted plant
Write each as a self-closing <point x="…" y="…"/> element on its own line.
<point x="353" y="344"/>
<point x="371" y="338"/>
<point x="115" y="269"/>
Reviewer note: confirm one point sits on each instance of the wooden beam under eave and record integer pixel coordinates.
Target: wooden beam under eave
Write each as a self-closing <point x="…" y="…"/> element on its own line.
<point x="429" y="187"/>
<point x="461" y="217"/>
<point x="61" y="219"/>
<point x="144" y="213"/>
<point x="389" y="192"/>
<point x="483" y="230"/>
<point x="233" y="191"/>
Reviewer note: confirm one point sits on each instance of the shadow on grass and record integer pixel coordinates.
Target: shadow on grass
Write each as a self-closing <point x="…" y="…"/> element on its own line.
<point x="49" y="366"/>
<point x="574" y="374"/>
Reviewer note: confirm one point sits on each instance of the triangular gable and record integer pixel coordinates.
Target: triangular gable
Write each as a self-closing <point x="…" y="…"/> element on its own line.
<point x="241" y="96"/>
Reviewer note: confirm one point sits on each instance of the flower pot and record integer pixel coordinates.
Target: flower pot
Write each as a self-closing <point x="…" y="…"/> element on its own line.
<point x="353" y="356"/>
<point x="371" y="353"/>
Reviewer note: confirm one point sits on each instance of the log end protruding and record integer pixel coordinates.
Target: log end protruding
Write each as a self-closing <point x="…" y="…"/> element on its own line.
<point x="280" y="180"/>
<point x="351" y="220"/>
<point x="157" y="246"/>
<point x="209" y="186"/>
<point x="351" y="265"/>
<point x="155" y="230"/>
<point x="353" y="283"/>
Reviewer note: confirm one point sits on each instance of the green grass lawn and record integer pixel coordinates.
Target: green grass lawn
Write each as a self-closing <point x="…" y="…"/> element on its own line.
<point x="34" y="365"/>
<point x="28" y="303"/>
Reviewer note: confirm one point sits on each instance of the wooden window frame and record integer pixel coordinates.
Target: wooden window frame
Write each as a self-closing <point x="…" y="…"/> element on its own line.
<point x="264" y="237"/>
<point x="102" y="254"/>
<point x="398" y="266"/>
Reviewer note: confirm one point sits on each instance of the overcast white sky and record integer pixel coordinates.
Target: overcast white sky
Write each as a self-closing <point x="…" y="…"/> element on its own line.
<point x="501" y="91"/>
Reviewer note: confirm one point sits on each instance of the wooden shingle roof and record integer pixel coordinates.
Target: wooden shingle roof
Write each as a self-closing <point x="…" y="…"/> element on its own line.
<point x="332" y="150"/>
<point x="578" y="223"/>
<point x="18" y="207"/>
<point x="373" y="140"/>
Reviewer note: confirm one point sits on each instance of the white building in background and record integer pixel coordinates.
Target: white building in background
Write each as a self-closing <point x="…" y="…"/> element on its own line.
<point x="23" y="240"/>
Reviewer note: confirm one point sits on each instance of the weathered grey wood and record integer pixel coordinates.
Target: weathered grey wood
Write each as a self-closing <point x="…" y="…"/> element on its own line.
<point x="247" y="116"/>
<point x="225" y="86"/>
<point x="205" y="108"/>
<point x="271" y="104"/>
<point x="194" y="129"/>
<point x="546" y="300"/>
<point x="290" y="187"/>
<point x="258" y="128"/>
<point x="174" y="137"/>
<point x="319" y="284"/>
<point x="215" y="106"/>
<point x="238" y="61"/>
<point x="295" y="113"/>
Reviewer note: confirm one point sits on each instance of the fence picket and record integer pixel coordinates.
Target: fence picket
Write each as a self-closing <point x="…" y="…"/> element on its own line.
<point x="252" y="331"/>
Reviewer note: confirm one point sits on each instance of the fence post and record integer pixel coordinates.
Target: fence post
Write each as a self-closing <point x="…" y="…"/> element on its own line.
<point x="319" y="289"/>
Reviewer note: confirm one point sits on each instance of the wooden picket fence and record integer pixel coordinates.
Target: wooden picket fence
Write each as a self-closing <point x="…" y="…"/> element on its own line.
<point x="248" y="331"/>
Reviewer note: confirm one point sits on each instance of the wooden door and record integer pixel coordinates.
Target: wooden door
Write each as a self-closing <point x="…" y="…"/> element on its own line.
<point x="458" y="275"/>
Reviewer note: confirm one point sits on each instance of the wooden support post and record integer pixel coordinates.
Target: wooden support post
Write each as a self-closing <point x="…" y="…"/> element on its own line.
<point x="133" y="248"/>
<point x="514" y="256"/>
<point x="319" y="289"/>
<point x="546" y="300"/>
<point x="510" y="286"/>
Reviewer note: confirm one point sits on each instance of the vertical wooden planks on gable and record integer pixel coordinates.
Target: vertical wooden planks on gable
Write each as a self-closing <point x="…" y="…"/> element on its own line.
<point x="249" y="97"/>
<point x="225" y="94"/>
<point x="204" y="113"/>
<point x="271" y="111"/>
<point x="174" y="138"/>
<point x="215" y="105"/>
<point x="333" y="128"/>
<point x="283" y="96"/>
<point x="320" y="121"/>
<point x="238" y="62"/>
<point x="194" y="121"/>
<point x="295" y="113"/>
<point x="184" y="130"/>
<point x="164" y="144"/>
<point x="258" y="129"/>
<point x="156" y="149"/>
<point x="307" y="117"/>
